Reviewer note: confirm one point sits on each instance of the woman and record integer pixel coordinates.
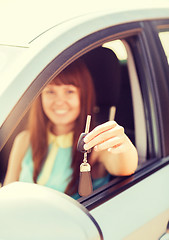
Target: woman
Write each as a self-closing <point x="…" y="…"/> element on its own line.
<point x="46" y="153"/>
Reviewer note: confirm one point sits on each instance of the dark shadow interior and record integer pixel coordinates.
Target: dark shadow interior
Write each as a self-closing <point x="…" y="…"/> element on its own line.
<point x="106" y="73"/>
<point x="112" y="86"/>
<point x="124" y="113"/>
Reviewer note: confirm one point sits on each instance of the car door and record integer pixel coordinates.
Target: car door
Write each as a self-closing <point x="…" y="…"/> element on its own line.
<point x="142" y="210"/>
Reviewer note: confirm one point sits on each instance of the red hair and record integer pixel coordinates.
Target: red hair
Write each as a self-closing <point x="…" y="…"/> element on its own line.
<point x="78" y="75"/>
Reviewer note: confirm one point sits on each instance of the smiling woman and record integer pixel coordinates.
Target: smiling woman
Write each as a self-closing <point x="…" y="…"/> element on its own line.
<point x="46" y="153"/>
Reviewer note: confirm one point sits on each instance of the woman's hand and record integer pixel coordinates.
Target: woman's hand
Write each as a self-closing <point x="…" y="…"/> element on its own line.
<point x="121" y="158"/>
<point x="108" y="136"/>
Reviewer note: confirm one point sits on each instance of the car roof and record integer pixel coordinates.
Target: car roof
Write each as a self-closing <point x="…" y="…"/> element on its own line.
<point x="21" y="21"/>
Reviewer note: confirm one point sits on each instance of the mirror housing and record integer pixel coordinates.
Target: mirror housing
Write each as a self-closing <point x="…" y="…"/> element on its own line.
<point x="30" y="211"/>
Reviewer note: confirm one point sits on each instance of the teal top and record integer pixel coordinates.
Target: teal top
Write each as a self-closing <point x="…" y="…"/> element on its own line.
<point x="56" y="172"/>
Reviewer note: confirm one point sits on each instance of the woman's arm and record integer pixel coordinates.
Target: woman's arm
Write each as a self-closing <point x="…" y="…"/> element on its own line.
<point x="17" y="153"/>
<point x="114" y="149"/>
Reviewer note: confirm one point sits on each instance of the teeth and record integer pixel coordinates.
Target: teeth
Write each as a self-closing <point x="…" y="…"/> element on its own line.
<point x="60" y="111"/>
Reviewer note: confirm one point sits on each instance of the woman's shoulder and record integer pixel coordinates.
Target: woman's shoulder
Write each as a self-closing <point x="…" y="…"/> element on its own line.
<point x="21" y="144"/>
<point x="19" y="148"/>
<point x="23" y="138"/>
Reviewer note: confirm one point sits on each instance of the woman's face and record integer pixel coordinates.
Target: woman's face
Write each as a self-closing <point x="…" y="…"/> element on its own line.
<point x="61" y="104"/>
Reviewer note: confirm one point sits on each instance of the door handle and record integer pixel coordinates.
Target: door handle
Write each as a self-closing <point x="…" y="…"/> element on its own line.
<point x="165" y="236"/>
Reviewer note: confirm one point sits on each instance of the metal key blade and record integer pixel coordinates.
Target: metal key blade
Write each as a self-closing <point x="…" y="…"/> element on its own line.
<point x="88" y="120"/>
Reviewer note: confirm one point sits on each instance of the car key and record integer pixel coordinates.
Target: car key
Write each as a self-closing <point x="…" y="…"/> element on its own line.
<point x="80" y="144"/>
<point x="85" y="183"/>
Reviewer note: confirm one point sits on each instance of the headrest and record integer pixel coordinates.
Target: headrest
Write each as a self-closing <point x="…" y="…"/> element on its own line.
<point x="104" y="67"/>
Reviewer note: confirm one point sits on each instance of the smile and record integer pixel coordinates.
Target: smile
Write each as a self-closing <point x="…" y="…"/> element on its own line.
<point x="60" y="111"/>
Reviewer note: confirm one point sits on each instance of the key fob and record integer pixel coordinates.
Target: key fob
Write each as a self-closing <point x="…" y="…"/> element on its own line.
<point x="85" y="182"/>
<point x="80" y="144"/>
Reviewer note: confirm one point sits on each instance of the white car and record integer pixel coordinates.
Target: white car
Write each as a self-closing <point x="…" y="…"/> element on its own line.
<point x="129" y="44"/>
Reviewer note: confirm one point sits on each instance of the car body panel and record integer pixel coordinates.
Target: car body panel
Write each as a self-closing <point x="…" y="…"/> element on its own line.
<point x="158" y="224"/>
<point x="137" y="206"/>
<point x="28" y="23"/>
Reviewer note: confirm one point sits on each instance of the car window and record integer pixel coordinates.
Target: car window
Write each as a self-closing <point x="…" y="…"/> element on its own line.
<point x="118" y="47"/>
<point x="164" y="37"/>
<point x="113" y="71"/>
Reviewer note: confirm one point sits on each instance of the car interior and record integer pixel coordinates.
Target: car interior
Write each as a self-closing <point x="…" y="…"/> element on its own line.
<point x="118" y="98"/>
<point x="111" y="81"/>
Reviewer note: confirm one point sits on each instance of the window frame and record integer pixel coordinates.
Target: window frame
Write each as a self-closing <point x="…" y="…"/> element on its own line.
<point x="159" y="70"/>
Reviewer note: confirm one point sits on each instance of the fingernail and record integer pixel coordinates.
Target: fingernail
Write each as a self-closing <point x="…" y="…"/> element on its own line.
<point x="85" y="139"/>
<point x="96" y="148"/>
<point x="84" y="146"/>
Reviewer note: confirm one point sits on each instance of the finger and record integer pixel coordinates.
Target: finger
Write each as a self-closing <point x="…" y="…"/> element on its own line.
<point x="118" y="148"/>
<point x="111" y="143"/>
<point x="105" y="136"/>
<point x="99" y="129"/>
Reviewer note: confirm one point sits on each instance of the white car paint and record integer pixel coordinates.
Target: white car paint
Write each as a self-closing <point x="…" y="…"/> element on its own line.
<point x="128" y="211"/>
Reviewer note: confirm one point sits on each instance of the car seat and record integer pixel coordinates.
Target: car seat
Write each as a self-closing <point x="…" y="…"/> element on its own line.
<point x="111" y="81"/>
<point x="106" y="73"/>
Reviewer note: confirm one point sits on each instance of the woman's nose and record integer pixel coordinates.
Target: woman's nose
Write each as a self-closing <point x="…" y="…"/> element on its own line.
<point x="59" y="99"/>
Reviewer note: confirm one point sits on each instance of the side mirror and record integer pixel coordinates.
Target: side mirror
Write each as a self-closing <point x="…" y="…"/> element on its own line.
<point x="30" y="211"/>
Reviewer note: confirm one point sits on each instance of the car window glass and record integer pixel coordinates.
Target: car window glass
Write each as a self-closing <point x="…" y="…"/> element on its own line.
<point x="118" y="47"/>
<point x="164" y="37"/>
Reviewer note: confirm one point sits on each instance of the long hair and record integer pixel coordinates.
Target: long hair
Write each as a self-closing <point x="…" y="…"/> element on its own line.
<point x="78" y="75"/>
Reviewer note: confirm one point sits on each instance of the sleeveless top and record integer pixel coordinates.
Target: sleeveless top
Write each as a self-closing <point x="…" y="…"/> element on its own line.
<point x="56" y="172"/>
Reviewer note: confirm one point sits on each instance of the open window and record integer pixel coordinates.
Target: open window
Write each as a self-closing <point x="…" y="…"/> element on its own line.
<point x="118" y="94"/>
<point x="164" y="37"/>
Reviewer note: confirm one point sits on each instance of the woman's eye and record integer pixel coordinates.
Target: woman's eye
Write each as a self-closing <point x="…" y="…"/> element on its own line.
<point x="50" y="92"/>
<point x="70" y="91"/>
